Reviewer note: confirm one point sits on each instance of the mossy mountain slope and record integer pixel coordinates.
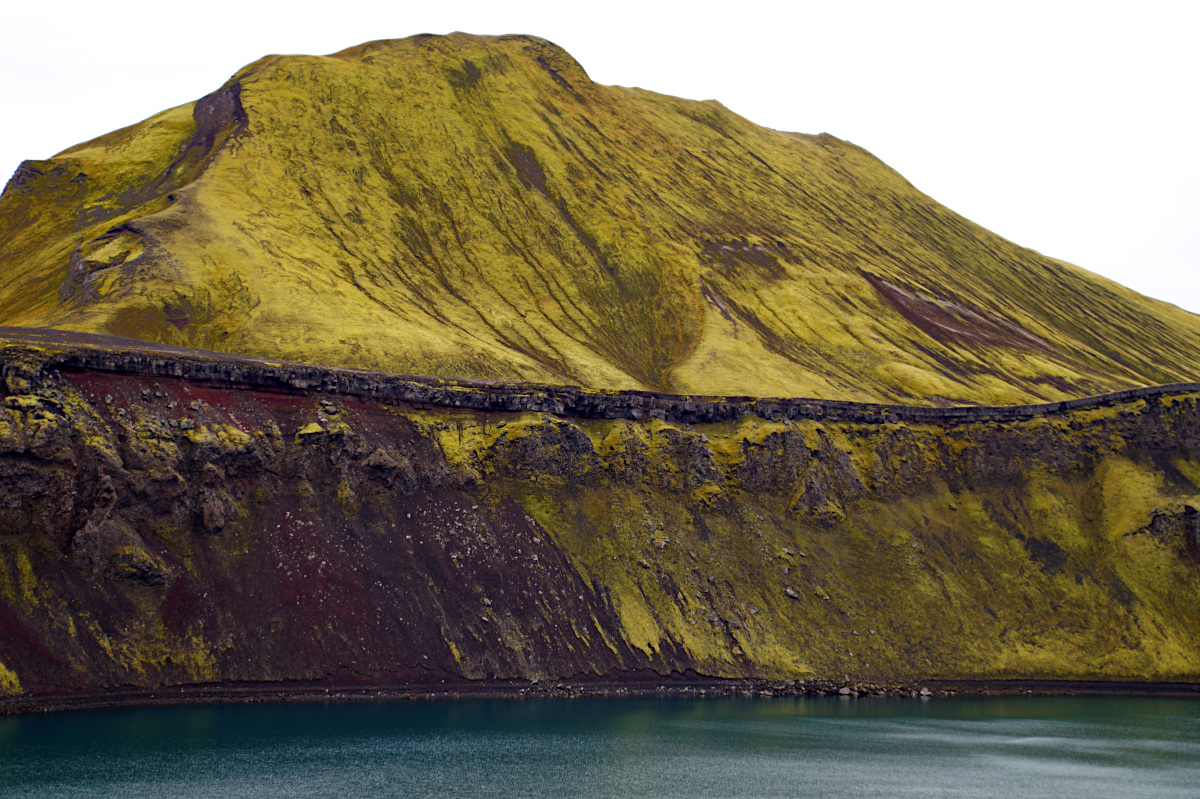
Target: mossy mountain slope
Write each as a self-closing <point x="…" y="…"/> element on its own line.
<point x="478" y="207"/>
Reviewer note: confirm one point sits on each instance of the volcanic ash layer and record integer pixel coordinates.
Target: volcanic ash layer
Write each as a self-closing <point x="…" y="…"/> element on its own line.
<point x="159" y="532"/>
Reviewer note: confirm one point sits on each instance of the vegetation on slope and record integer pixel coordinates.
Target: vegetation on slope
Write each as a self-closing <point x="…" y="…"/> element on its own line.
<point x="159" y="532"/>
<point x="477" y="207"/>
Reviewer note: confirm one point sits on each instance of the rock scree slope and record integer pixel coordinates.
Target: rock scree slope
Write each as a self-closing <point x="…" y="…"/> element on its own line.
<point x="477" y="207"/>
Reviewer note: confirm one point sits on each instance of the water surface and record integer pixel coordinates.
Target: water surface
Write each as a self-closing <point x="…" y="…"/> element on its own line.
<point x="777" y="747"/>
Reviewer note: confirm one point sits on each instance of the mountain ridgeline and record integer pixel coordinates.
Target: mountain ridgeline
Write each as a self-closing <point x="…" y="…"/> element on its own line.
<point x="477" y="207"/>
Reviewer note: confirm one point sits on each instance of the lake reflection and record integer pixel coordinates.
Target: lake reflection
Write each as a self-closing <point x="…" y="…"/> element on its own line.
<point x="778" y="747"/>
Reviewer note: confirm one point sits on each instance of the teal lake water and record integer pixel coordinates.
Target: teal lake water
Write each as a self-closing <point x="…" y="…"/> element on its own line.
<point x="778" y="747"/>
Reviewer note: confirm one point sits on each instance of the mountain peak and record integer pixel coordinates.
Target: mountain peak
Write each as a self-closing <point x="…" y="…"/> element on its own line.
<point x="475" y="206"/>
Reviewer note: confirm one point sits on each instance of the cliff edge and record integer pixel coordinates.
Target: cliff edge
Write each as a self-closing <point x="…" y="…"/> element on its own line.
<point x="164" y="532"/>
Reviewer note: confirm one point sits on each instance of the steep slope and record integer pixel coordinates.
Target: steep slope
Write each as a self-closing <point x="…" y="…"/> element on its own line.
<point x="160" y="532"/>
<point x="477" y="207"/>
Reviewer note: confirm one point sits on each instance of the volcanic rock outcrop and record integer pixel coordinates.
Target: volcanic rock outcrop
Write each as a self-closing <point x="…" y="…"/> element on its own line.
<point x="161" y="532"/>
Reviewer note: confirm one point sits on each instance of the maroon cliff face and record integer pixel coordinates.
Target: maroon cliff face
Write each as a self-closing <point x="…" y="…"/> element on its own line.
<point x="253" y="543"/>
<point x="175" y="521"/>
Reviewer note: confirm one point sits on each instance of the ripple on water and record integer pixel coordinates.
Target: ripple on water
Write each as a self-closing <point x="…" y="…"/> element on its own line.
<point x="738" y="748"/>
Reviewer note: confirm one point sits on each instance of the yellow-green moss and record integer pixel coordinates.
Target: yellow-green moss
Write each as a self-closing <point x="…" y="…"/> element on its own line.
<point x="10" y="684"/>
<point x="1048" y="576"/>
<point x="529" y="224"/>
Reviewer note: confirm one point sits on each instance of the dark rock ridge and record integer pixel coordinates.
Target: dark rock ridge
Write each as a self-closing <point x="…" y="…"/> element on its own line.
<point x="173" y="520"/>
<point x="222" y="369"/>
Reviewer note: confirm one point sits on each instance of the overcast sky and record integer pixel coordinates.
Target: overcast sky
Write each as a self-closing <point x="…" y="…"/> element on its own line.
<point x="1071" y="128"/>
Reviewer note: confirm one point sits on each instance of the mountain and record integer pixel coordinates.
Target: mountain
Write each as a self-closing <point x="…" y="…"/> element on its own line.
<point x="477" y="207"/>
<point x="207" y="493"/>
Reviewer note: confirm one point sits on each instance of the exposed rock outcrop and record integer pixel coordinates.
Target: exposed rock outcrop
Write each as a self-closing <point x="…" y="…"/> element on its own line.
<point x="176" y="522"/>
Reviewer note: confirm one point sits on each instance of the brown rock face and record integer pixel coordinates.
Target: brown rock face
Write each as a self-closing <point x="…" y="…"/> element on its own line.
<point x="171" y="520"/>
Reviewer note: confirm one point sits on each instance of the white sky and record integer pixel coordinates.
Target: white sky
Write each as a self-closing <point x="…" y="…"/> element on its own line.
<point x="1068" y="127"/>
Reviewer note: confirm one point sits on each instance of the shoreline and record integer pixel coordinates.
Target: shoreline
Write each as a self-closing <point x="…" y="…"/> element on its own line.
<point x="516" y="690"/>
